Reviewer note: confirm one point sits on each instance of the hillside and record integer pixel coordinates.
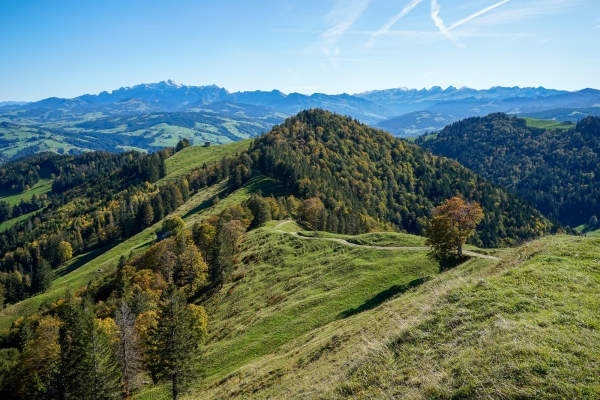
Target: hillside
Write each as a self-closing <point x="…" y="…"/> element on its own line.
<point x="274" y="300"/>
<point x="366" y="178"/>
<point x="24" y="132"/>
<point x="524" y="326"/>
<point x="555" y="169"/>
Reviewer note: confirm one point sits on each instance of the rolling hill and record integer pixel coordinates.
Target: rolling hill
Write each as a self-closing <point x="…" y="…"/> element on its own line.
<point x="315" y="314"/>
<point x="220" y="116"/>
<point x="554" y="169"/>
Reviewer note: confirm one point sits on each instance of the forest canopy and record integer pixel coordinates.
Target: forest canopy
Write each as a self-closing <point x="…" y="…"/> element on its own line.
<point x="556" y="170"/>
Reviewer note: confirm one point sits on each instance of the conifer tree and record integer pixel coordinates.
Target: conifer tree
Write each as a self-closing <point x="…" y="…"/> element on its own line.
<point x="90" y="368"/>
<point x="147" y="215"/>
<point x="158" y="207"/>
<point x="175" y="341"/>
<point x="41" y="279"/>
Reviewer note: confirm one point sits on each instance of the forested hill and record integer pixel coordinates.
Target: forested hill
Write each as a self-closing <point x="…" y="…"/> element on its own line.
<point x="363" y="172"/>
<point x="556" y="170"/>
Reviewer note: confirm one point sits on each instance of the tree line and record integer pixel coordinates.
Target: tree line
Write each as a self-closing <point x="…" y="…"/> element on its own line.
<point x="369" y="180"/>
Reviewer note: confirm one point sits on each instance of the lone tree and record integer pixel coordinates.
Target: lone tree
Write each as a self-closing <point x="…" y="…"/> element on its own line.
<point x="452" y="224"/>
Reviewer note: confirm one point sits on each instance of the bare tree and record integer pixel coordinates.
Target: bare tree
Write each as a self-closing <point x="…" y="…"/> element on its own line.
<point x="128" y="349"/>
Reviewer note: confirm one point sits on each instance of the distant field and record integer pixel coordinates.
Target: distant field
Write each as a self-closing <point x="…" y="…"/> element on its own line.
<point x="43" y="186"/>
<point x="193" y="157"/>
<point x="540" y="123"/>
<point x="594" y="232"/>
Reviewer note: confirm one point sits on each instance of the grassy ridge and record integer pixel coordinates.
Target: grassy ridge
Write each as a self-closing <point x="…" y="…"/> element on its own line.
<point x="524" y="327"/>
<point x="288" y="287"/>
<point x="545" y="124"/>
<point x="193" y="157"/>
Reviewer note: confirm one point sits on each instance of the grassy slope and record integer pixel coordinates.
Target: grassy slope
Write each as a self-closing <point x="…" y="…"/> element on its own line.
<point x="593" y="232"/>
<point x="524" y="327"/>
<point x="287" y="288"/>
<point x="43" y="186"/>
<point x="193" y="157"/>
<point x="7" y="224"/>
<point x="79" y="271"/>
<point x="540" y="123"/>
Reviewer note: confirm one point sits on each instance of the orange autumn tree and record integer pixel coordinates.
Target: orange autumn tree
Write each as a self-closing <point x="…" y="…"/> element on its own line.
<point x="451" y="225"/>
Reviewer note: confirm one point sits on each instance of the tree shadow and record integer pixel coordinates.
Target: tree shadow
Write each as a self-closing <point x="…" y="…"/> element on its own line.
<point x="452" y="262"/>
<point x="382" y="297"/>
<point x="81" y="261"/>
<point x="205" y="204"/>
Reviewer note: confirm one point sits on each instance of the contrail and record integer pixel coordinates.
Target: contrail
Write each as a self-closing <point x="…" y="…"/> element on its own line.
<point x="477" y="14"/>
<point x="435" y="11"/>
<point x="408" y="8"/>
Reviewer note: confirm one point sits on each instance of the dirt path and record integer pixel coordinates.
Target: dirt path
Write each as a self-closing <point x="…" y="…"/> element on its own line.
<point x="347" y="243"/>
<point x="282" y="223"/>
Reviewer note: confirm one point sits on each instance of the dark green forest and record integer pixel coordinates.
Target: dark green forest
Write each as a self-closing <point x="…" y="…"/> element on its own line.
<point x="556" y="170"/>
<point x="358" y="171"/>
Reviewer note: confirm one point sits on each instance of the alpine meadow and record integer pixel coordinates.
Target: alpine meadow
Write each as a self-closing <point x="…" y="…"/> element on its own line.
<point x="347" y="200"/>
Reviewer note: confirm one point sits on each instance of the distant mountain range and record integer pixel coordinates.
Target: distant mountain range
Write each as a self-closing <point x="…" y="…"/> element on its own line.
<point x="402" y="112"/>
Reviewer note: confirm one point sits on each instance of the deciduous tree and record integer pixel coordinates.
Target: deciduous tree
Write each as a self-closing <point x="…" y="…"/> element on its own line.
<point x="173" y="225"/>
<point x="451" y="225"/>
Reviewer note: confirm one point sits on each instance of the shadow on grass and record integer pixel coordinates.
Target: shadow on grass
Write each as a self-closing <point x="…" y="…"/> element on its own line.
<point x="382" y="297"/>
<point x="81" y="261"/>
<point x="452" y="262"/>
<point x="206" y="204"/>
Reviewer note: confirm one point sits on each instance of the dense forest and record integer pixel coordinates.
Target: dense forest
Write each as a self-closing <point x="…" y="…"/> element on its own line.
<point x="374" y="180"/>
<point x="556" y="170"/>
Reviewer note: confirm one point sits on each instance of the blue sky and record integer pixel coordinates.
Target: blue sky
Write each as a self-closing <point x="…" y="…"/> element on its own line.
<point x="68" y="48"/>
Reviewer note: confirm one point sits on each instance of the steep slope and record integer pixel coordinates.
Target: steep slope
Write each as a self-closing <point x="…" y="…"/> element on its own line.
<point x="556" y="170"/>
<point x="97" y="261"/>
<point x="366" y="178"/>
<point x="522" y="327"/>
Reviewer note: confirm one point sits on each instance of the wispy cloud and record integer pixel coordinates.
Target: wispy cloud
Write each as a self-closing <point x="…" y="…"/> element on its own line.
<point x="439" y="23"/>
<point x="436" y="72"/>
<point x="477" y="14"/>
<point x="531" y="9"/>
<point x="547" y="40"/>
<point x="384" y="29"/>
<point x="344" y="14"/>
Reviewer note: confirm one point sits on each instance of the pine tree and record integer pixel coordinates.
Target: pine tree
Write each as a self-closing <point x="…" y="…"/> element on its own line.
<point x="41" y="279"/>
<point x="90" y="370"/>
<point x="158" y="207"/>
<point x="175" y="341"/>
<point x="147" y="215"/>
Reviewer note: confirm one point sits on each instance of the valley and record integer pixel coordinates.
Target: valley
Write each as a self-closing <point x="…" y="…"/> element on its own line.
<point x="149" y="117"/>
